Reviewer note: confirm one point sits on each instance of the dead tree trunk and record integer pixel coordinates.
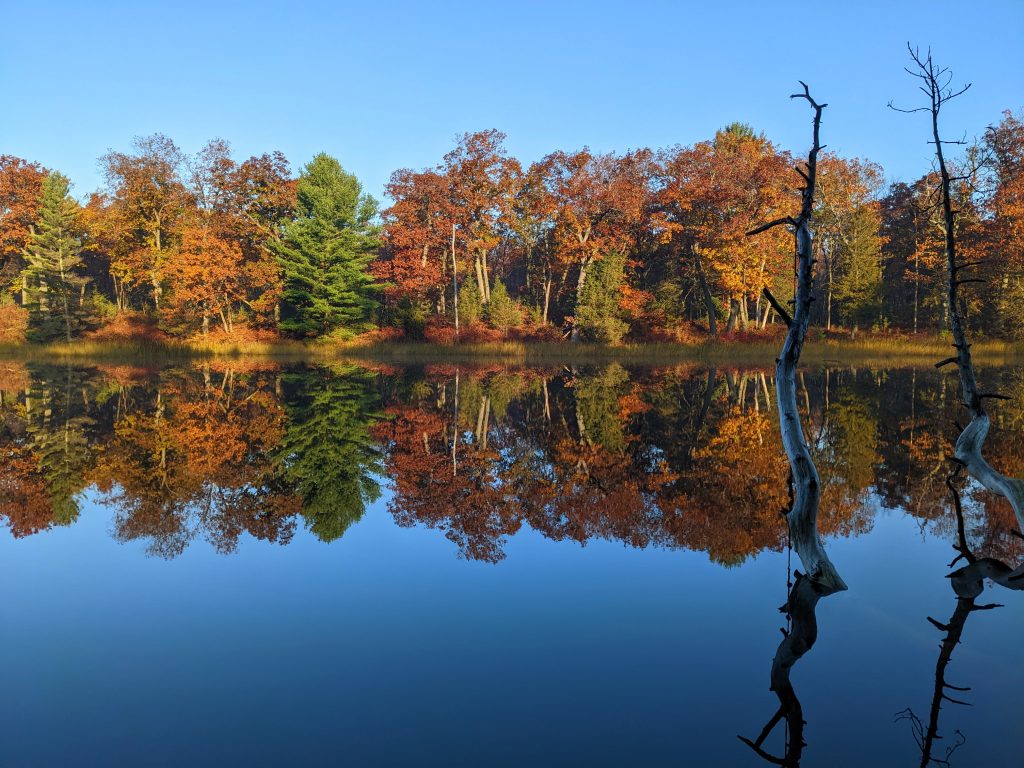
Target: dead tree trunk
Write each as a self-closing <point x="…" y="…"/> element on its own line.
<point x="936" y="86"/>
<point x="802" y="517"/>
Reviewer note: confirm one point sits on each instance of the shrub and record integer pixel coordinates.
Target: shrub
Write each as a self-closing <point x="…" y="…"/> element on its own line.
<point x="411" y="318"/>
<point x="13" y="323"/>
<point x="129" y="326"/>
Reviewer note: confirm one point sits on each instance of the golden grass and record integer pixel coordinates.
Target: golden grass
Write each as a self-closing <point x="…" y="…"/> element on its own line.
<point x="871" y="351"/>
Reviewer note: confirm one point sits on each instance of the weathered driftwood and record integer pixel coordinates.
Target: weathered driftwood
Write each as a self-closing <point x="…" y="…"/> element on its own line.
<point x="803" y="515"/>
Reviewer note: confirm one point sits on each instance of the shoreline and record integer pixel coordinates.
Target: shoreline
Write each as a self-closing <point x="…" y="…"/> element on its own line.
<point x="880" y="352"/>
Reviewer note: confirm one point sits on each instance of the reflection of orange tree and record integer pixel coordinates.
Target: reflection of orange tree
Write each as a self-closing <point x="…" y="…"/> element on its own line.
<point x="23" y="499"/>
<point x="731" y="497"/>
<point x="576" y="458"/>
<point x="444" y="479"/>
<point x="194" y="457"/>
<point x="45" y="444"/>
<point x="686" y="460"/>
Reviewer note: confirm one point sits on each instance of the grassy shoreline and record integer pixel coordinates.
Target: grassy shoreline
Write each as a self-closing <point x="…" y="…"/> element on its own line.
<point x="883" y="352"/>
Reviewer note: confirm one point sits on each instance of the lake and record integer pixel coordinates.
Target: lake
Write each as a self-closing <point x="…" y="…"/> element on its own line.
<point x="242" y="563"/>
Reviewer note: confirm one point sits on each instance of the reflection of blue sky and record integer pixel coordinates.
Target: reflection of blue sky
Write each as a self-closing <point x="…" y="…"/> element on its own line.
<point x="384" y="648"/>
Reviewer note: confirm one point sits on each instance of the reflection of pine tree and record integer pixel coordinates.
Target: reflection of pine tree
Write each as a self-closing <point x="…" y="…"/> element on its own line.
<point x="597" y="407"/>
<point x="327" y="454"/>
<point x="57" y="425"/>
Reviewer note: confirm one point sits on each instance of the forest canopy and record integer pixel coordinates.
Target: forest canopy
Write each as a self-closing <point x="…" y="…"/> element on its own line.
<point x="646" y="245"/>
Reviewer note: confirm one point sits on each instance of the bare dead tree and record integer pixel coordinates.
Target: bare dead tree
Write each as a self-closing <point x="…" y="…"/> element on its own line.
<point x="821" y="578"/>
<point x="936" y="85"/>
<point x="802" y="517"/>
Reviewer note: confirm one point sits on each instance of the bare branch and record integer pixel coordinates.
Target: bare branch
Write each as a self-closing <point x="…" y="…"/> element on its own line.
<point x="781" y="310"/>
<point x="764" y="227"/>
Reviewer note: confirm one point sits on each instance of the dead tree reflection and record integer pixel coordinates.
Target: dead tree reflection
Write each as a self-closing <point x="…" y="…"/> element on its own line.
<point x="797" y="640"/>
<point x="968" y="584"/>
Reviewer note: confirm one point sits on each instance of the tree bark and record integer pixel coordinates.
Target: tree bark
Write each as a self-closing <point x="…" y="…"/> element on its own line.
<point x="480" y="279"/>
<point x="486" y="277"/>
<point x="455" y="285"/>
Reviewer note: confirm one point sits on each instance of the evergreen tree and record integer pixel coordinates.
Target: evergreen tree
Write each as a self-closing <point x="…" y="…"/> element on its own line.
<point x="502" y="310"/>
<point x="858" y="280"/>
<point x="325" y="252"/>
<point x="598" y="315"/>
<point x="54" y="255"/>
<point x="471" y="306"/>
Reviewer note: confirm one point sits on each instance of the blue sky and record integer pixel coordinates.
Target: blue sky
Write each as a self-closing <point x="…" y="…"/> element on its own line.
<point x="390" y="86"/>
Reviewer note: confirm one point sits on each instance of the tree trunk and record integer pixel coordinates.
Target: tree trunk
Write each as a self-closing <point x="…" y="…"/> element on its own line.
<point x="709" y="302"/>
<point x="828" y="294"/>
<point x="478" y="269"/>
<point x="734" y="315"/>
<point x="486" y="278"/>
<point x="547" y="298"/>
<point x="455" y="285"/>
<point x="581" y="281"/>
<point x="802" y="517"/>
<point x="917" y="284"/>
<point x="971" y="440"/>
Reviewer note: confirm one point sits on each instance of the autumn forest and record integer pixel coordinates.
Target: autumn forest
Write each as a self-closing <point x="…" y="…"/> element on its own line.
<point x="504" y="384"/>
<point x="647" y="245"/>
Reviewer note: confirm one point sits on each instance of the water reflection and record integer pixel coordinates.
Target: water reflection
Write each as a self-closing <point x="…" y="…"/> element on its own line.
<point x="968" y="583"/>
<point x="678" y="458"/>
<point x="682" y="458"/>
<point x="798" y="638"/>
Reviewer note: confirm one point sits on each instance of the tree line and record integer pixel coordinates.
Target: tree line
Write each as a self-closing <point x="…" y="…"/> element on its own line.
<point x="645" y="245"/>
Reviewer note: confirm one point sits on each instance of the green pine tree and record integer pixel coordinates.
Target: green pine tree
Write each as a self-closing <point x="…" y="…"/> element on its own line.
<point x="503" y="312"/>
<point x="55" y="269"/>
<point x="471" y="307"/>
<point x="325" y="253"/>
<point x="598" y="316"/>
<point x="858" y="280"/>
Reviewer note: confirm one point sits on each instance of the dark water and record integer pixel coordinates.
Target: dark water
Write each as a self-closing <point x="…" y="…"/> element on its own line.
<point x="240" y="564"/>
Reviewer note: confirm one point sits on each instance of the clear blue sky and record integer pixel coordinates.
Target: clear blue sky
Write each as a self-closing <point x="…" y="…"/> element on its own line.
<point x="390" y="86"/>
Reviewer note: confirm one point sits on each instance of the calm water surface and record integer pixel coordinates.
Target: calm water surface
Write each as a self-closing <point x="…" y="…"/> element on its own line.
<point x="243" y="564"/>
